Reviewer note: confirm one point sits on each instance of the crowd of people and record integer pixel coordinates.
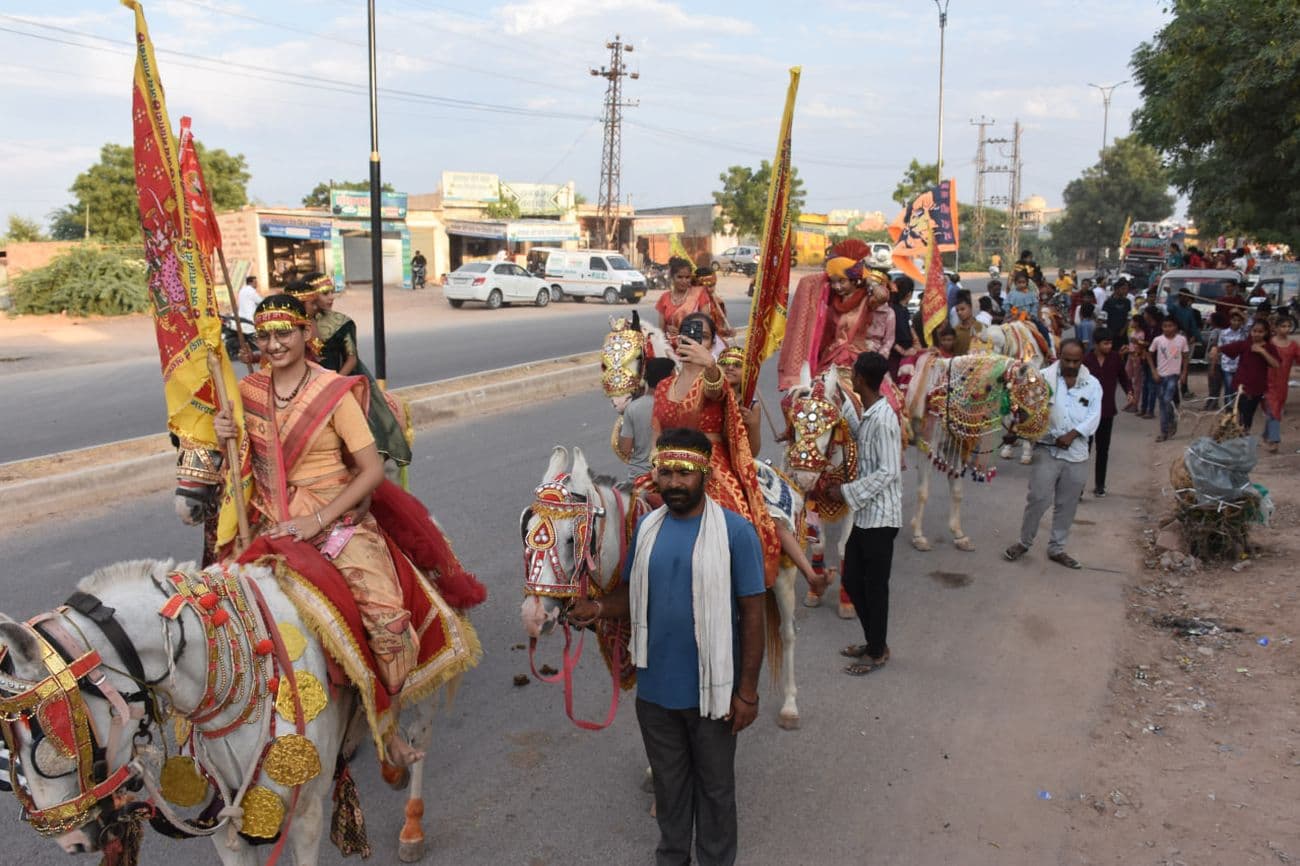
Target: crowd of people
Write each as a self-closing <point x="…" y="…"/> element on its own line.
<point x="689" y="442"/>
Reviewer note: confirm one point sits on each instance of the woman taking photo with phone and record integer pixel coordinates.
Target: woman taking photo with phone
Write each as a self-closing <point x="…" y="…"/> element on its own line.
<point x="697" y="396"/>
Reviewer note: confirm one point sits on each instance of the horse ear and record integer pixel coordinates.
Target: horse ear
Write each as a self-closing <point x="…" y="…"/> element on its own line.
<point x="580" y="475"/>
<point x="559" y="462"/>
<point x="23" y="649"/>
<point x="636" y="320"/>
<point x="805" y="375"/>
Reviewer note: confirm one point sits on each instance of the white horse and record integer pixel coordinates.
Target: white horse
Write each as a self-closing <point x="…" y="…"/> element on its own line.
<point x="176" y="648"/>
<point x="571" y="505"/>
<point x="945" y="433"/>
<point x="1019" y="340"/>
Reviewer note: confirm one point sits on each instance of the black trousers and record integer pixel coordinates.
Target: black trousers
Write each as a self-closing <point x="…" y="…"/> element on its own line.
<point x="693" y="760"/>
<point x="1246" y="407"/>
<point x="868" y="558"/>
<point x="1102" y="440"/>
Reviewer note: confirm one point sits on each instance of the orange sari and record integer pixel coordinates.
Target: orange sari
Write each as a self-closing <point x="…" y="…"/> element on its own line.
<point x="732" y="481"/>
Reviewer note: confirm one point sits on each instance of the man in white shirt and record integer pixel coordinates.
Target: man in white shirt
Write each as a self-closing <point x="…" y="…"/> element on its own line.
<point x="1060" y="474"/>
<point x="249" y="298"/>
<point x="876" y="499"/>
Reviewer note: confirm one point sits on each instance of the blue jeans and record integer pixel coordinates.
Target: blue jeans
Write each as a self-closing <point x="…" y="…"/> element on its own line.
<point x="1272" y="427"/>
<point x="1149" y="391"/>
<point x="1168" y="391"/>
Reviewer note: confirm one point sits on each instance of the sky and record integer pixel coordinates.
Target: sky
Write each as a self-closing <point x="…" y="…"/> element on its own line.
<point x="505" y="88"/>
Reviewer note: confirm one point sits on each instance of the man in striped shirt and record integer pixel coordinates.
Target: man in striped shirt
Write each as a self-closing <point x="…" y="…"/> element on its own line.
<point x="876" y="498"/>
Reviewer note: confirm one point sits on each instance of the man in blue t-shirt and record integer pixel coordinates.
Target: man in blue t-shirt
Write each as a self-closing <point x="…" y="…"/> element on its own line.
<point x="695" y="691"/>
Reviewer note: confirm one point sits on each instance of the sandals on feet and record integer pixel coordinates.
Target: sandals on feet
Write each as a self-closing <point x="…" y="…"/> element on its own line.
<point x="854" y="651"/>
<point x="866" y="665"/>
<point x="1014" y="552"/>
<point x="1065" y="559"/>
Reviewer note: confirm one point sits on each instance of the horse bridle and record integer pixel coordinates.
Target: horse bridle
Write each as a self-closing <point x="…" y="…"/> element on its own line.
<point x="56" y="707"/>
<point x="552" y="501"/>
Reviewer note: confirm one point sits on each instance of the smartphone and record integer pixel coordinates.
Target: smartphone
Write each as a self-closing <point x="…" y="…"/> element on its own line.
<point x="694" y="329"/>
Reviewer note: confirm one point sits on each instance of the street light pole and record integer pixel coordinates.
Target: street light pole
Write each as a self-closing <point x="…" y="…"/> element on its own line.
<point x="1106" y="92"/>
<point x="376" y="211"/>
<point x="943" y="25"/>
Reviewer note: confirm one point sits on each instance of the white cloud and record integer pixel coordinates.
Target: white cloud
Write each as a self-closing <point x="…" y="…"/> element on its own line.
<point x="1059" y="102"/>
<point x="544" y="15"/>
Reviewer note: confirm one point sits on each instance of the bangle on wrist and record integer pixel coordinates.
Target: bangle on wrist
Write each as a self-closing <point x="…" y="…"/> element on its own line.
<point x="745" y="700"/>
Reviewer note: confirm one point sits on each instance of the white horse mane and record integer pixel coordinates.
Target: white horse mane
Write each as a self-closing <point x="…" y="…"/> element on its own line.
<point x="109" y="576"/>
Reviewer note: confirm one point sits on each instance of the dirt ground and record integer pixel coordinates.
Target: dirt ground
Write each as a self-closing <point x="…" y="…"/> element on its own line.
<point x="1197" y="757"/>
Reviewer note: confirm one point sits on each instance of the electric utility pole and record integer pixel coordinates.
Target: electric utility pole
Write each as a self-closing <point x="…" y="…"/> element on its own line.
<point x="1106" y="92"/>
<point x="1012" y="200"/>
<point x="611" y="157"/>
<point x="980" y="169"/>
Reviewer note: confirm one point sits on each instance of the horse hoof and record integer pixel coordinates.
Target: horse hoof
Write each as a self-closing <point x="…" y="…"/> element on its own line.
<point x="812" y="599"/>
<point x="847" y="611"/>
<point x="788" y="721"/>
<point x="411" y="852"/>
<point x="1005" y="453"/>
<point x="1025" y="461"/>
<point x="964" y="543"/>
<point x="920" y="542"/>
<point x="648" y="781"/>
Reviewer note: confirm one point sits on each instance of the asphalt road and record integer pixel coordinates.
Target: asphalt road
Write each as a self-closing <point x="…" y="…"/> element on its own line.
<point x="77" y="407"/>
<point x="938" y="758"/>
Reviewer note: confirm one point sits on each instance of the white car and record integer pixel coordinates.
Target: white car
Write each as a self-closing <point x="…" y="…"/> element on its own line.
<point x="494" y="283"/>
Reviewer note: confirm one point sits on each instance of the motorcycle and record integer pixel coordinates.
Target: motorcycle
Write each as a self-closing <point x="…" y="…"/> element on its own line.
<point x="417" y="276"/>
<point x="657" y="276"/>
<point x="994" y="273"/>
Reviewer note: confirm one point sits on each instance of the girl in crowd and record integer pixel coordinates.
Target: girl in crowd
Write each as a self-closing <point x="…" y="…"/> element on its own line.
<point x="1288" y="350"/>
<point x="1255" y="357"/>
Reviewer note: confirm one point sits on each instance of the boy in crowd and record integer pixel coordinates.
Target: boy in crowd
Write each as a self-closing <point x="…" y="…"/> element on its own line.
<point x="1107" y="366"/>
<point x="1167" y="359"/>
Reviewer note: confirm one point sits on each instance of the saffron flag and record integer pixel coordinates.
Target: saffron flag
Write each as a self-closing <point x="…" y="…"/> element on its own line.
<point x="186" y="322"/>
<point x="934" y="301"/>
<point x="1126" y="235"/>
<point x="936" y="207"/>
<point x="768" y="313"/>
<point x="198" y="201"/>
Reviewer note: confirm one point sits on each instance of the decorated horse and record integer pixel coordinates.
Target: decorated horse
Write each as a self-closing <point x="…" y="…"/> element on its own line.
<point x="1020" y="340"/>
<point x="820" y="451"/>
<point x="954" y="407"/>
<point x="576" y="534"/>
<point x="623" y="355"/>
<point x="210" y="703"/>
<point x="950" y="408"/>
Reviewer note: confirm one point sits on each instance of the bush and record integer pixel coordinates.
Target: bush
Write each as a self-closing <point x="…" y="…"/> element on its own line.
<point x="85" y="281"/>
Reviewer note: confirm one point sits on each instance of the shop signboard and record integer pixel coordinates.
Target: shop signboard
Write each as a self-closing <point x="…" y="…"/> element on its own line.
<point x="493" y="231"/>
<point x="542" y="231"/>
<point x="355" y="204"/>
<point x="659" y="225"/>
<point x="470" y="187"/>
<point x="302" y="228"/>
<point x="539" y="199"/>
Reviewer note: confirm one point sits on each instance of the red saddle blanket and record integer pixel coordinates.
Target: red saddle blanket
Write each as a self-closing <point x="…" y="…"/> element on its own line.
<point x="436" y="590"/>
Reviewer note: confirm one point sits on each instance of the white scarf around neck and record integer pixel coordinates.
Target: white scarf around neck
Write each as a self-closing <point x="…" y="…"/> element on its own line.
<point x="710" y="598"/>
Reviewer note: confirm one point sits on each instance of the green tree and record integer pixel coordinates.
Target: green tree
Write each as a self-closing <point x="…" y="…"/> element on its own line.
<point x="918" y="178"/>
<point x="1128" y="180"/>
<point x="320" y="193"/>
<point x="504" y="209"/>
<point x="107" y="188"/>
<point x="22" y="229"/>
<point x="743" y="198"/>
<point x="1220" y="92"/>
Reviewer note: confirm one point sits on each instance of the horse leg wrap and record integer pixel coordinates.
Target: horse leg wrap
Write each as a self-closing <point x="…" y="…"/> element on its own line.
<point x="412" y="829"/>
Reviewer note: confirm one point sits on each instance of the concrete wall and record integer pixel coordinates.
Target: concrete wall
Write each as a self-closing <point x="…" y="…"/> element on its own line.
<point x="23" y="256"/>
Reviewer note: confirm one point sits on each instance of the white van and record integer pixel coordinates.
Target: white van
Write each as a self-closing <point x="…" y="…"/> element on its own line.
<point x="582" y="274"/>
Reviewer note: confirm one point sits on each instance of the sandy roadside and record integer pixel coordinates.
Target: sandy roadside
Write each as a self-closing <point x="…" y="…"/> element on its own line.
<point x="1195" y="758"/>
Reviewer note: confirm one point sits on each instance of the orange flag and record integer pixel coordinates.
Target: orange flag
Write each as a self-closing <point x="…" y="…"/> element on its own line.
<point x="934" y="301"/>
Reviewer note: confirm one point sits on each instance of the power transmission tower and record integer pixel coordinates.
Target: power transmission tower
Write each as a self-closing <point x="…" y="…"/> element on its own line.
<point x="980" y="165"/>
<point x="611" y="157"/>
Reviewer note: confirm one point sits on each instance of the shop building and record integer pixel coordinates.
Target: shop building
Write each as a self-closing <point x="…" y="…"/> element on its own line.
<point x="697" y="238"/>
